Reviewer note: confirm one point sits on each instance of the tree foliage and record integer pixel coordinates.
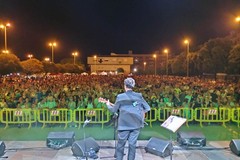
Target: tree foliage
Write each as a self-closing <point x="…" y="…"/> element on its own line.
<point x="32" y="66"/>
<point x="9" y="63"/>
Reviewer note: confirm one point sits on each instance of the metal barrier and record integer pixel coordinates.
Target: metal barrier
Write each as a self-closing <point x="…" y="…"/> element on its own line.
<point x="18" y="116"/>
<point x="151" y="116"/>
<point x="94" y="116"/>
<point x="102" y="116"/>
<point x="212" y="115"/>
<point x="54" y="116"/>
<point x="236" y="115"/>
<point x="187" y="113"/>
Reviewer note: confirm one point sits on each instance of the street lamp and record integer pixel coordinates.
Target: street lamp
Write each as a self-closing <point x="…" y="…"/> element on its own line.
<point x="166" y="51"/>
<point x="237" y="19"/>
<point x="5" y="51"/>
<point x="186" y="41"/>
<point x="52" y="45"/>
<point x="74" y="57"/>
<point x="30" y="56"/>
<point x="155" y="65"/>
<point x="47" y="59"/>
<point x="144" y="66"/>
<point x="4" y="26"/>
<point x="95" y="63"/>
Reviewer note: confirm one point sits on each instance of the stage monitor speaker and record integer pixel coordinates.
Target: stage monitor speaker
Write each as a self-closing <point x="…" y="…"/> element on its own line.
<point x="58" y="140"/>
<point x="2" y="148"/>
<point x="191" y="139"/>
<point x="235" y="146"/>
<point x="159" y="147"/>
<point x="80" y="148"/>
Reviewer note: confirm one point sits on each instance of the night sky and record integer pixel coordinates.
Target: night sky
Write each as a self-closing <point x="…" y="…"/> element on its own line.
<point x="104" y="26"/>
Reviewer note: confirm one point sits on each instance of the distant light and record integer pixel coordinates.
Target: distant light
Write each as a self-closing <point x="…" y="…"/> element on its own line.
<point x="186" y="41"/>
<point x="165" y="50"/>
<point x="237" y="19"/>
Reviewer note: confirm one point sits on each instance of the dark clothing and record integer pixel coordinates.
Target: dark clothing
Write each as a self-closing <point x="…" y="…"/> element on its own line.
<point x="131" y="108"/>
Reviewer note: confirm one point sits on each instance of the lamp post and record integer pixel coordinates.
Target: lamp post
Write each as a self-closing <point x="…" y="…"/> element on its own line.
<point x="4" y="26"/>
<point x="30" y="56"/>
<point x="166" y="52"/>
<point x="52" y="45"/>
<point x="144" y="66"/>
<point x="74" y="57"/>
<point x="187" y="54"/>
<point x="155" y="65"/>
<point x="95" y="63"/>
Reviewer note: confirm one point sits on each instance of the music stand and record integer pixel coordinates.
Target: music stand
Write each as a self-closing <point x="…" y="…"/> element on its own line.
<point x="173" y="123"/>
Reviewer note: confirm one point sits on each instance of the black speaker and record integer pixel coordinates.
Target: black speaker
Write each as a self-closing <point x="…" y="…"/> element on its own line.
<point x="58" y="140"/>
<point x="235" y="146"/>
<point x="159" y="147"/>
<point x="191" y="139"/>
<point x="2" y="148"/>
<point x="80" y="148"/>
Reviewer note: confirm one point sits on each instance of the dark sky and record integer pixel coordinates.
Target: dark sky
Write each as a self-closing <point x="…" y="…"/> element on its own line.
<point x="105" y="26"/>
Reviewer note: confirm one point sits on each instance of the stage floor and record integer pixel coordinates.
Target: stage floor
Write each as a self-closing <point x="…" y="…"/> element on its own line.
<point x="37" y="150"/>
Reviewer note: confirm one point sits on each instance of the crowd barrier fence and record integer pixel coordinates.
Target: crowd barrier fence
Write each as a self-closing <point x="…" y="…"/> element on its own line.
<point x="92" y="116"/>
<point x="187" y="113"/>
<point x="81" y="117"/>
<point x="18" y="116"/>
<point x="235" y="116"/>
<point x="54" y="116"/>
<point x="213" y="115"/>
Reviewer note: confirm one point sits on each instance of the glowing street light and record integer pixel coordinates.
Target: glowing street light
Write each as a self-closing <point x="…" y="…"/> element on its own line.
<point x="135" y="70"/>
<point x="4" y="27"/>
<point x="5" y="51"/>
<point x="95" y="63"/>
<point x="166" y="51"/>
<point x="155" y="65"/>
<point x="74" y="57"/>
<point x="52" y="45"/>
<point x="237" y="19"/>
<point x="186" y="41"/>
<point x="47" y="59"/>
<point x="30" y="56"/>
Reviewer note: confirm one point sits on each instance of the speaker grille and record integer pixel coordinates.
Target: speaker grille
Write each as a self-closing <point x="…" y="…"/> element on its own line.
<point x="235" y="146"/>
<point x="159" y="147"/>
<point x="79" y="148"/>
<point x="2" y="148"/>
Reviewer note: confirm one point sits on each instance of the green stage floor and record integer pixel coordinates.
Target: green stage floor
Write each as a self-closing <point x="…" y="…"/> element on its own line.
<point x="212" y="132"/>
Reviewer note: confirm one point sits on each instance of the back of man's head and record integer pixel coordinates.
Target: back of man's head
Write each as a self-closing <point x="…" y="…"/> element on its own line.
<point x="129" y="82"/>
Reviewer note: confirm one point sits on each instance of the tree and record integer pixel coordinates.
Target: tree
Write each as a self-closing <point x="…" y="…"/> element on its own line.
<point x="50" y="67"/>
<point x="213" y="55"/>
<point x="234" y="60"/>
<point x="32" y="66"/>
<point x="9" y="63"/>
<point x="179" y="65"/>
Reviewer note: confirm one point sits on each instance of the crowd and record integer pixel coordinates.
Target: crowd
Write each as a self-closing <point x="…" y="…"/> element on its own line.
<point x="78" y="91"/>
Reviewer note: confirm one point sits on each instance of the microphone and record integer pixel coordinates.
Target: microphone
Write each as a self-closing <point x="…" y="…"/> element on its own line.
<point x="86" y="122"/>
